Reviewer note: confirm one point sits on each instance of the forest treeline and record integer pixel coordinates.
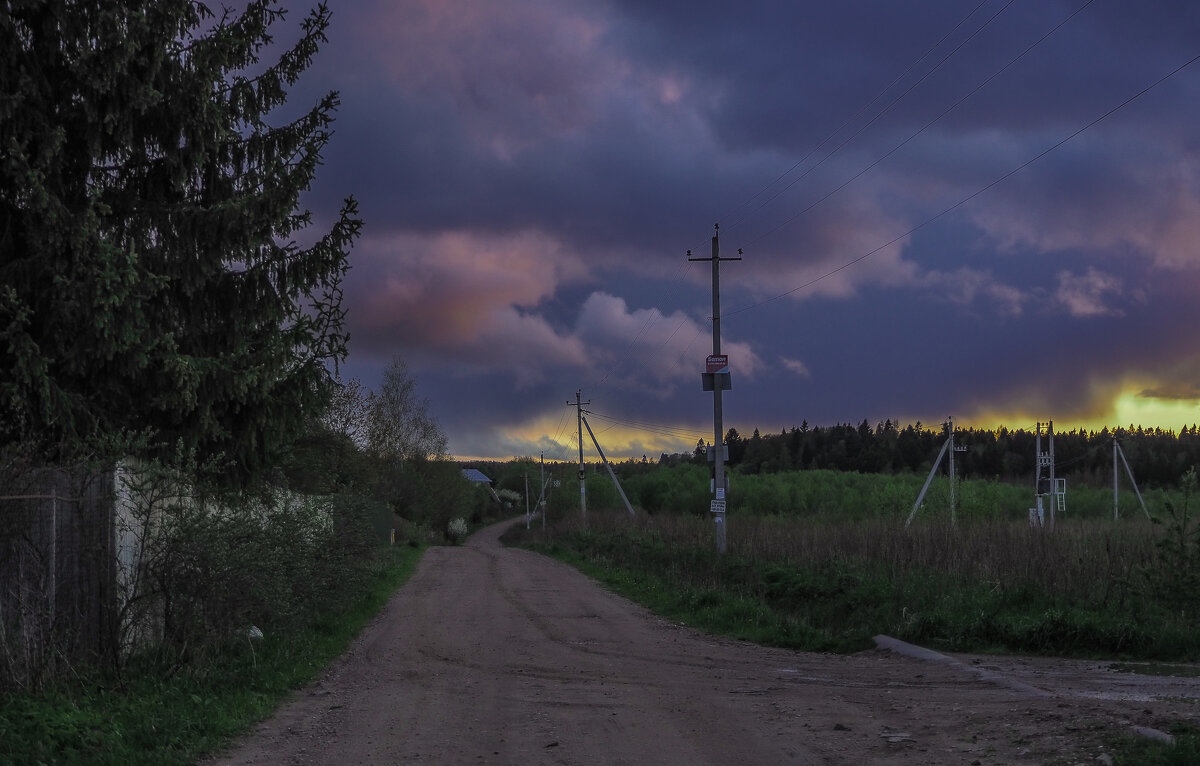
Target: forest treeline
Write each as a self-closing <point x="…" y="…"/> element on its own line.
<point x="1156" y="457"/>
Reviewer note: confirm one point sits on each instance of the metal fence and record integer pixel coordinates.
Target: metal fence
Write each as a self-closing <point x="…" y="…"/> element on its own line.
<point x="57" y="572"/>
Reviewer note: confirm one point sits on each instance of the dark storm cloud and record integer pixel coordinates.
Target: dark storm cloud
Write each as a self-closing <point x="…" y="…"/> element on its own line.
<point x="531" y="173"/>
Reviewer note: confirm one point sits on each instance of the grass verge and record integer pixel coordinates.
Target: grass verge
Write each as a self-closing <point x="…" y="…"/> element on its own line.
<point x="834" y="594"/>
<point x="839" y="603"/>
<point x="148" y="719"/>
<point x="1129" y="750"/>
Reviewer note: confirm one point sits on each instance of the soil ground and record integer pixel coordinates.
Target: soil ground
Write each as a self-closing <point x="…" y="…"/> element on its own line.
<point x="494" y="655"/>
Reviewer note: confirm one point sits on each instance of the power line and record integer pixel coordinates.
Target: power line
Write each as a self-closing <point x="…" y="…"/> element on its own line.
<point x="973" y="195"/>
<point x="674" y="280"/>
<point x="651" y="319"/>
<point x="924" y="127"/>
<point x="649" y="427"/>
<point x="884" y="110"/>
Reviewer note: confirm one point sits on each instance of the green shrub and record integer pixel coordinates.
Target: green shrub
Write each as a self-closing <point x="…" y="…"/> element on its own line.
<point x="457" y="531"/>
<point x="1174" y="579"/>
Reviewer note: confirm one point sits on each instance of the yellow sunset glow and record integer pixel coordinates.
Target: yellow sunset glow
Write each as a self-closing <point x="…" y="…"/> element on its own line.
<point x="1131" y="408"/>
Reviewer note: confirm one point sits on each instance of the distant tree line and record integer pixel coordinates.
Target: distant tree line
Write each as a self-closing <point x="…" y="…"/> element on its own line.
<point x="1157" y="457"/>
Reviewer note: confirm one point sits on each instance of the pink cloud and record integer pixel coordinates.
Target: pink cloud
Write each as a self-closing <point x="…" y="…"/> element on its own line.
<point x="459" y="294"/>
<point x="818" y="244"/>
<point x="967" y="286"/>
<point x="1145" y="201"/>
<point x="514" y="71"/>
<point x="659" y="349"/>
<point x="1084" y="295"/>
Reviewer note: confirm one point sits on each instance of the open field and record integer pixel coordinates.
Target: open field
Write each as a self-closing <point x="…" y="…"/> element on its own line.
<point x="838" y="566"/>
<point x="824" y="560"/>
<point x="841" y="495"/>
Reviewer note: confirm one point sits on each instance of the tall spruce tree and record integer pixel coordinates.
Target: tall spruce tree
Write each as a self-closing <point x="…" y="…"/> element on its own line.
<point x="151" y="281"/>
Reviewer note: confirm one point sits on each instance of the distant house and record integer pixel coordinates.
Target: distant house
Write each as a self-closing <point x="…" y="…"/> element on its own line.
<point x="476" y="476"/>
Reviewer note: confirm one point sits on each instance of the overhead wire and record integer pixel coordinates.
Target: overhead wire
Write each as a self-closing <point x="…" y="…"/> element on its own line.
<point x="974" y="194"/>
<point x="886" y="108"/>
<point x="650" y="319"/>
<point x="924" y="127"/>
<point x="647" y="426"/>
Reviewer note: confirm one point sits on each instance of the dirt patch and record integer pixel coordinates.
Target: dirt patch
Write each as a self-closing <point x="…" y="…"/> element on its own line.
<point x="496" y="655"/>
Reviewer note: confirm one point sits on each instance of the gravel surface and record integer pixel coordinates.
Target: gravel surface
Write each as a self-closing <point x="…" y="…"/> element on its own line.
<point x="498" y="655"/>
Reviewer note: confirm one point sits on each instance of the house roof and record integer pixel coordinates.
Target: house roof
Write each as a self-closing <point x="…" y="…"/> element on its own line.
<point x="472" y="474"/>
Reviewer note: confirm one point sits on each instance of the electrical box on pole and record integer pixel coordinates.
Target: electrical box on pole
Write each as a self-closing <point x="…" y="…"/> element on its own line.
<point x="716" y="378"/>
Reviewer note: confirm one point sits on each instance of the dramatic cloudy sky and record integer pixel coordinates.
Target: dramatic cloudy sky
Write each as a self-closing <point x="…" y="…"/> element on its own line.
<point x="989" y="210"/>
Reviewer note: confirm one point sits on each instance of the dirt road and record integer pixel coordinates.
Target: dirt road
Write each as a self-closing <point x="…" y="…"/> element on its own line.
<point x="501" y="656"/>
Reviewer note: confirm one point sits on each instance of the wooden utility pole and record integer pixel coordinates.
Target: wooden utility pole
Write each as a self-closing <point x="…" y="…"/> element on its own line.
<point x="1053" y="486"/>
<point x="582" y="473"/>
<point x="948" y="448"/>
<point x="1129" y="471"/>
<point x="718" y="378"/>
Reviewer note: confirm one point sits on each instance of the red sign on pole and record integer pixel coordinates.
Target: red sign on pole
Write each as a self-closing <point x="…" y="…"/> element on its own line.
<point x="716" y="363"/>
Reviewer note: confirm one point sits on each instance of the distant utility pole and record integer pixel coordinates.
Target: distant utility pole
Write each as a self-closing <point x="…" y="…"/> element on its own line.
<point x="543" y="501"/>
<point x="582" y="473"/>
<point x="948" y="448"/>
<point x="1053" y="484"/>
<point x="716" y="378"/>
<point x="1116" y="506"/>
<point x="608" y="465"/>
<point x="1053" y="487"/>
<point x="953" y="480"/>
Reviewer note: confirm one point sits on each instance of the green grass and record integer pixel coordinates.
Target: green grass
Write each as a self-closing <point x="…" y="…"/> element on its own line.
<point x="850" y="495"/>
<point x="711" y="609"/>
<point x="147" y="719"/>
<point x="1157" y="669"/>
<point x="784" y="593"/>
<point x="1131" y="750"/>
<point x="822" y="586"/>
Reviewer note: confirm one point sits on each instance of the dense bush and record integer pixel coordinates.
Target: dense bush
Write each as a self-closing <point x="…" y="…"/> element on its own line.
<point x="206" y="565"/>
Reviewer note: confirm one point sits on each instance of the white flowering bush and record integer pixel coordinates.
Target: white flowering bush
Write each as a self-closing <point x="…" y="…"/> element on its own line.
<point x="457" y="530"/>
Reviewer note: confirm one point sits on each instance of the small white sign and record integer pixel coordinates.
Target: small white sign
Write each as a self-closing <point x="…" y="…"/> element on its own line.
<point x="720" y="493"/>
<point x="717" y="506"/>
